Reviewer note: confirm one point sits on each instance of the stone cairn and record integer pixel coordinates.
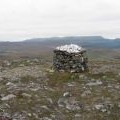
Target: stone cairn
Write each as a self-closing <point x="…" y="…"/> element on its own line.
<point x="70" y="58"/>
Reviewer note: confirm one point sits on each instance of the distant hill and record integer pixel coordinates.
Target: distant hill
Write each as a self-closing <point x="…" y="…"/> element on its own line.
<point x="39" y="46"/>
<point x="85" y="41"/>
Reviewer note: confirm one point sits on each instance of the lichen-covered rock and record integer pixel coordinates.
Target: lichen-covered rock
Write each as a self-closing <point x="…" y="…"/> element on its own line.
<point x="8" y="97"/>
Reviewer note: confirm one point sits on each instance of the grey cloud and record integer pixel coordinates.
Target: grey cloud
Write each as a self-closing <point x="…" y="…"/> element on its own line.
<point x="20" y="19"/>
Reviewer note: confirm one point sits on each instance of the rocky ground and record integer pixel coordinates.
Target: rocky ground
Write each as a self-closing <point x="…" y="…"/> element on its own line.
<point x="31" y="90"/>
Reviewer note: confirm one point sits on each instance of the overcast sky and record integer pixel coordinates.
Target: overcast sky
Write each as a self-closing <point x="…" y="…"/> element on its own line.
<point x="22" y="19"/>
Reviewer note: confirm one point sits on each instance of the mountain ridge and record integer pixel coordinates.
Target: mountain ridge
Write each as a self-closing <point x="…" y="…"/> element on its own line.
<point x="87" y="41"/>
<point x="42" y="45"/>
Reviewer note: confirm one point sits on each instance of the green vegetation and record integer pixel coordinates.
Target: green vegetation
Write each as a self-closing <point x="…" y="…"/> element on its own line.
<point x="58" y="78"/>
<point x="27" y="79"/>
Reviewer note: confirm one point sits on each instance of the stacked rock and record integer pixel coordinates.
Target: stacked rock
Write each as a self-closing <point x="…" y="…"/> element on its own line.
<point x="70" y="58"/>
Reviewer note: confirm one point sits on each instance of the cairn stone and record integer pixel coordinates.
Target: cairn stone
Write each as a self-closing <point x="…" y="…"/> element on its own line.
<point x="70" y="58"/>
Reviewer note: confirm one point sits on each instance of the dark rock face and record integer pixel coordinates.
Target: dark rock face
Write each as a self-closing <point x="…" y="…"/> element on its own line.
<point x="4" y="118"/>
<point x="70" y="62"/>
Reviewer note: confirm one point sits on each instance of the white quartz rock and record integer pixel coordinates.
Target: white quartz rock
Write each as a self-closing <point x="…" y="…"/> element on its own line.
<point x="72" y="48"/>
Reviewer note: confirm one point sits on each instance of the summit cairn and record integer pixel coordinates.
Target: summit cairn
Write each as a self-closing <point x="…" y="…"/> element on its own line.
<point x="70" y="58"/>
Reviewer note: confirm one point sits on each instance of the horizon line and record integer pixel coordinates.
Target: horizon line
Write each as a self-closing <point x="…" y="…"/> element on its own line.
<point x="25" y="39"/>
